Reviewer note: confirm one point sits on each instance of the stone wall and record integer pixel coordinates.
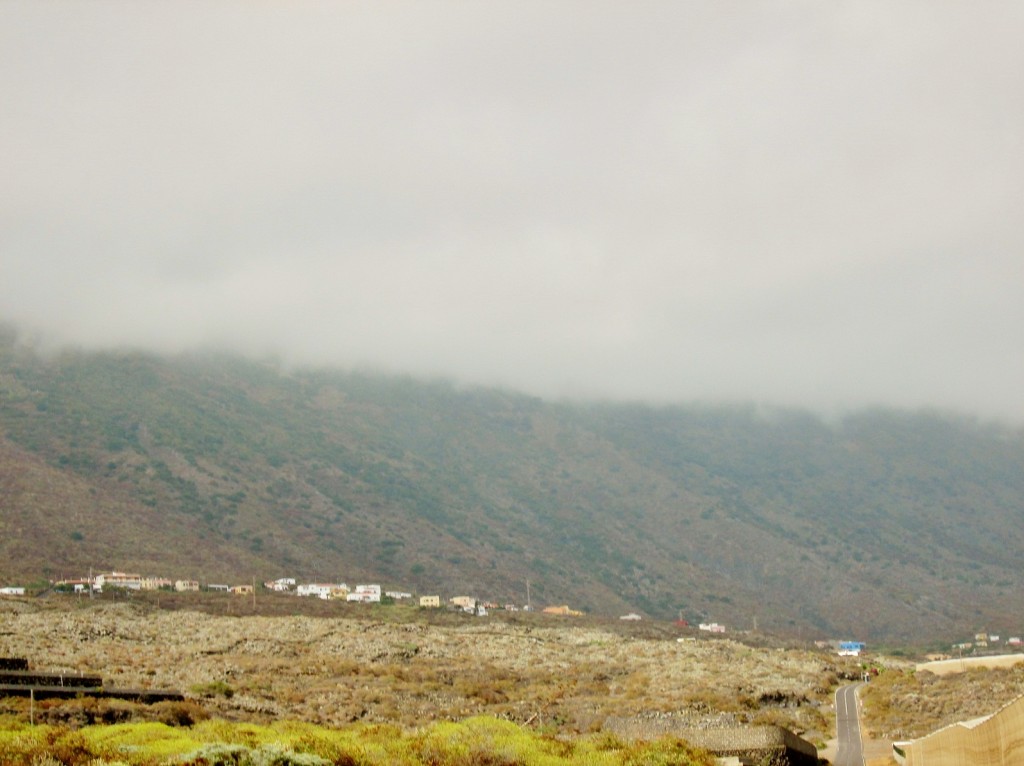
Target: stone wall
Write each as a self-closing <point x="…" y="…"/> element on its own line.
<point x="752" y="744"/>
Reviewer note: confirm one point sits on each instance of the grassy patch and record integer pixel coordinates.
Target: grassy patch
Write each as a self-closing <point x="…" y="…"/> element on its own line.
<point x="474" y="742"/>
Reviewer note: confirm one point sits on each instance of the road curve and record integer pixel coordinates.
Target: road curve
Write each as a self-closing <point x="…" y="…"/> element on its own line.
<point x="849" y="752"/>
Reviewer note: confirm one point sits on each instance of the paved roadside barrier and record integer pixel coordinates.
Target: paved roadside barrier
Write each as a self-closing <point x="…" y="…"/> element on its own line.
<point x="997" y="740"/>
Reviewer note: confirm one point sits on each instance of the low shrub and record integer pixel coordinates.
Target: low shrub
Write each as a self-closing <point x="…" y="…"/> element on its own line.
<point x="480" y="741"/>
<point x="239" y="755"/>
<point x="173" y="713"/>
<point x="213" y="689"/>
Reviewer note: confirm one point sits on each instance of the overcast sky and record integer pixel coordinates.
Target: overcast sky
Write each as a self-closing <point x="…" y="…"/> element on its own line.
<point x="798" y="203"/>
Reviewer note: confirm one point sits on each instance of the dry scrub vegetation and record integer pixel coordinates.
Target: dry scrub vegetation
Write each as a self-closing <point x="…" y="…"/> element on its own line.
<point x="903" y="704"/>
<point x="553" y="675"/>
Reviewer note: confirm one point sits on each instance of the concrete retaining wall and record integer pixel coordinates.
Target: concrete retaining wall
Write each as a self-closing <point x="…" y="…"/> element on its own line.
<point x="752" y="744"/>
<point x="946" y="667"/>
<point x="995" y="741"/>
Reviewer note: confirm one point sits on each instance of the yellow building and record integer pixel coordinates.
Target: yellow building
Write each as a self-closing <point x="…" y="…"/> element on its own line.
<point x="431" y="602"/>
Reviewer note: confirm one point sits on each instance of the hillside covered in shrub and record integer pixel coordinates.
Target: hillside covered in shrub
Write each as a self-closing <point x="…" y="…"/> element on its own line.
<point x="886" y="525"/>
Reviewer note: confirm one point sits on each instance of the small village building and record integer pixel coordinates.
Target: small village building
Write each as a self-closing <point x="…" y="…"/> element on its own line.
<point x="78" y="586"/>
<point x="12" y="590"/>
<point x="242" y="590"/>
<point x="850" y="648"/>
<point x="464" y="602"/>
<point x="324" y="590"/>
<point x="280" y="585"/>
<point x="366" y="594"/>
<point x="430" y="602"/>
<point x="156" y="583"/>
<point x="117" y="580"/>
<point x="183" y="586"/>
<point x="563" y="610"/>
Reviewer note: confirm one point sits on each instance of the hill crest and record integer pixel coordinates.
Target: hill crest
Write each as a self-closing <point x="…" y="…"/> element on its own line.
<point x="887" y="525"/>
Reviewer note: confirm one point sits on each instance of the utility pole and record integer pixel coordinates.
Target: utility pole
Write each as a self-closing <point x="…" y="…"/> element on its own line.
<point x="529" y="608"/>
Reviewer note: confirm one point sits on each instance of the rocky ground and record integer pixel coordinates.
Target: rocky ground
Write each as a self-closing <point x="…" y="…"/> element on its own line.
<point x="554" y="674"/>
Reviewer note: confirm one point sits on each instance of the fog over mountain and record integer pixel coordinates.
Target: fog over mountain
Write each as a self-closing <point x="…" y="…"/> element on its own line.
<point x="802" y="204"/>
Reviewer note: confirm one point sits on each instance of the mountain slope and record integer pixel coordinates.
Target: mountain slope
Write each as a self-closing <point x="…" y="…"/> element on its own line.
<point x="887" y="525"/>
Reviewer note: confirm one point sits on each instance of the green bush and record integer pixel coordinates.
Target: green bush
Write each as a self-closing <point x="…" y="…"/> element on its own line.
<point x="479" y="741"/>
<point x="220" y="754"/>
<point x="214" y="689"/>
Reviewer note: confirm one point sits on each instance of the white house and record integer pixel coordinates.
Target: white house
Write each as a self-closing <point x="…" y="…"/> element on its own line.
<point x="711" y="627"/>
<point x="324" y="590"/>
<point x="183" y="586"/>
<point x="280" y="585"/>
<point x="12" y="591"/>
<point x="118" y="580"/>
<point x="365" y="593"/>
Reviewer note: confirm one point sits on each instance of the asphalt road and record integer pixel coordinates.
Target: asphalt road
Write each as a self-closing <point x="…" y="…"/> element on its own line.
<point x="849" y="752"/>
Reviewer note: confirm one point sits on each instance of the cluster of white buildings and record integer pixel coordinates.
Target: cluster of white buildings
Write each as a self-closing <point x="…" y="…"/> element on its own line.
<point x="366" y="594"/>
<point x="137" y="582"/>
<point x="711" y="627"/>
<point x="128" y="581"/>
<point x="363" y="593"/>
<point x="371" y="594"/>
<point x="986" y="640"/>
